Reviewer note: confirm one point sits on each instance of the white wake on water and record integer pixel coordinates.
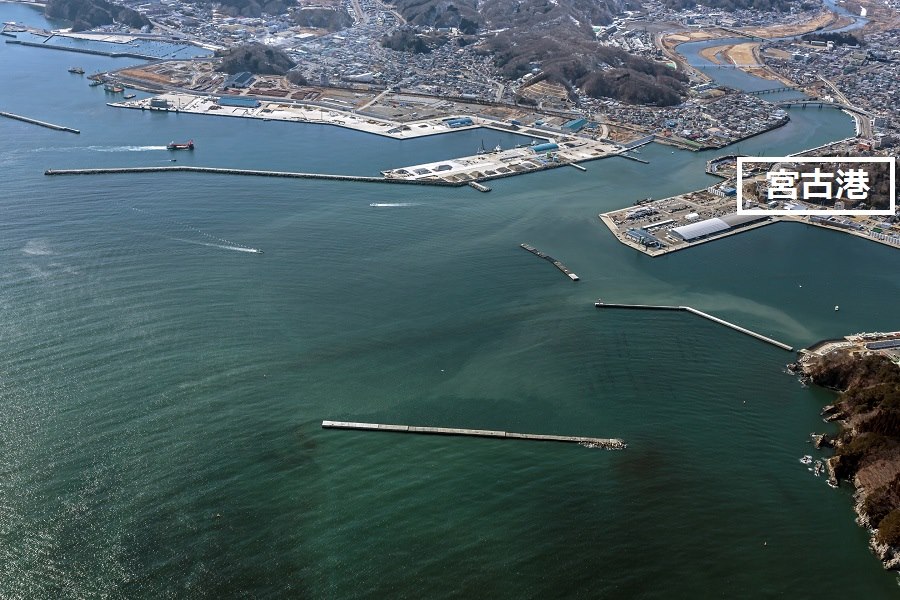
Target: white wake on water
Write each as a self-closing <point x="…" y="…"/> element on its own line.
<point x="102" y="149"/>
<point x="211" y="241"/>
<point x="124" y="148"/>
<point x="37" y="248"/>
<point x="393" y="204"/>
<point x="221" y="246"/>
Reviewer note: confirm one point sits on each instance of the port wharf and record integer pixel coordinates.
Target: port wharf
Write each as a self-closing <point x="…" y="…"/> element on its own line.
<point x="600" y="304"/>
<point x="136" y="55"/>
<point x="36" y="122"/>
<point x="482" y="166"/>
<point x="282" y="109"/>
<point x="591" y="442"/>
<point x="551" y="260"/>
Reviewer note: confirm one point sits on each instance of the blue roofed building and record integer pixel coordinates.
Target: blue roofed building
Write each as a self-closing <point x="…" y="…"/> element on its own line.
<point x="547" y="147"/>
<point x="575" y="125"/>
<point x="458" y="122"/>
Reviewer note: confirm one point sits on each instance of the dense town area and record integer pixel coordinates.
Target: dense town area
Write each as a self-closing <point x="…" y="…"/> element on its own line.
<point x="348" y="45"/>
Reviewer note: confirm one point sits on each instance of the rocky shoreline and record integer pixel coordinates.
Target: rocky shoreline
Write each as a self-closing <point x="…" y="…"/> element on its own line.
<point x="867" y="447"/>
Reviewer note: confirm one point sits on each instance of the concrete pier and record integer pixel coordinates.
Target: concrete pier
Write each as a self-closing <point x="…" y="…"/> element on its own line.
<point x="551" y="260"/>
<point x="36" y="122"/>
<point x="634" y="158"/>
<point x="250" y="172"/>
<point x="744" y="330"/>
<point x="605" y="443"/>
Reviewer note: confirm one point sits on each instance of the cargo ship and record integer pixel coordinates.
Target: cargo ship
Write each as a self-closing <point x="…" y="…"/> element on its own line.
<point x="76" y="70"/>
<point x="189" y="145"/>
<point x="115" y="88"/>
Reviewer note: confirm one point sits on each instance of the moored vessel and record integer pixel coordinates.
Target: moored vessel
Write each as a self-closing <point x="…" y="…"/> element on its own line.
<point x="188" y="145"/>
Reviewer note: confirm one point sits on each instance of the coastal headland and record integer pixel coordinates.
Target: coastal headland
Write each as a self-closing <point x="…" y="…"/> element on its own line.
<point x="865" y="369"/>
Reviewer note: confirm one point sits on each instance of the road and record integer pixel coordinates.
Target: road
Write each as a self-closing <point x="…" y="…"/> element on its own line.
<point x="865" y="124"/>
<point x="361" y="16"/>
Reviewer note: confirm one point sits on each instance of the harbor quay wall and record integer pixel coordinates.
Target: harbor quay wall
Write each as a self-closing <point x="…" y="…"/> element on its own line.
<point x="81" y="50"/>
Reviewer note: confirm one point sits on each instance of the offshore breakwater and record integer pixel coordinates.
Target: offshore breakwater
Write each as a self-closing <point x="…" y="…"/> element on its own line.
<point x="10" y="115"/>
<point x="291" y="174"/>
<point x="255" y="173"/>
<point x="744" y="330"/>
<point x="591" y="442"/>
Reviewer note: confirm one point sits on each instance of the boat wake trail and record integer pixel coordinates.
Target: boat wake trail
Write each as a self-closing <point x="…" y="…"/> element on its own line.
<point x="393" y="204"/>
<point x="102" y="149"/>
<point x="221" y="246"/>
<point x="124" y="148"/>
<point x="181" y="229"/>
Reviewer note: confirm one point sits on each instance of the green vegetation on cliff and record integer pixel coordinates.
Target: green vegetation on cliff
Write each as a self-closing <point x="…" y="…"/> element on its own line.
<point x="868" y="447"/>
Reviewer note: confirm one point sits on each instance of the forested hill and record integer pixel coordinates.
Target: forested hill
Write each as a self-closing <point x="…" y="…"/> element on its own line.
<point x="732" y="5"/>
<point x="497" y="14"/>
<point x="248" y="8"/>
<point x="255" y="58"/>
<point x="86" y="14"/>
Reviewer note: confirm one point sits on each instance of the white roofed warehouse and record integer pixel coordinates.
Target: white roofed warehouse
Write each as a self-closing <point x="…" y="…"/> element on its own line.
<point x="704" y="229"/>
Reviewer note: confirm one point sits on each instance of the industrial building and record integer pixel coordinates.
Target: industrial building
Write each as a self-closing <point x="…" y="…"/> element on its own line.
<point x="239" y="80"/>
<point x="883" y="345"/>
<point x="644" y="238"/>
<point x="238" y="101"/>
<point x="704" y="229"/>
<point x="548" y="147"/>
<point x="458" y="122"/>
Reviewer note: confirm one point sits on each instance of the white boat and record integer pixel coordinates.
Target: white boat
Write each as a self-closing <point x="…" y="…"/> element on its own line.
<point x="836" y="307"/>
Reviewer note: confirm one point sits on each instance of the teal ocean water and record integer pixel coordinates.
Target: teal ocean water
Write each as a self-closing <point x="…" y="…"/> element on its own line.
<point x="162" y="389"/>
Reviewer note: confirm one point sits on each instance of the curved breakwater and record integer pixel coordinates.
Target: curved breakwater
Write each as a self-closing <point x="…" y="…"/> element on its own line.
<point x="730" y="325"/>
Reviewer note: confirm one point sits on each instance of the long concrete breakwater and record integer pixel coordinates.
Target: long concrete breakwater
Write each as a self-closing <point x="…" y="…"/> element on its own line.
<point x="251" y="172"/>
<point x="744" y="330"/>
<point x="10" y="115"/>
<point x="591" y="442"/>
<point x="551" y="260"/>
